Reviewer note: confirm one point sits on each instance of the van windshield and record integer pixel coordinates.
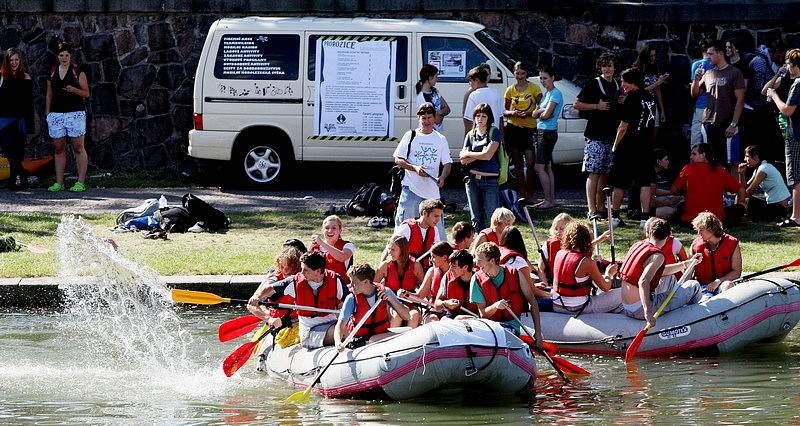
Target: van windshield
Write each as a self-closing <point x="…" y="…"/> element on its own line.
<point x="499" y="48"/>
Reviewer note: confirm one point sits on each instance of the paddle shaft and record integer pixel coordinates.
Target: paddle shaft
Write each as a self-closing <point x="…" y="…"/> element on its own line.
<point x="594" y="228"/>
<point x="686" y="274"/>
<point x="766" y="271"/>
<point x="533" y="232"/>
<point x="539" y="350"/>
<point x="290" y="306"/>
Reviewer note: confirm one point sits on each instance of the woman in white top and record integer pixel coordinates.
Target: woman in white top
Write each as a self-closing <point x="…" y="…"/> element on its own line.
<point x="767" y="180"/>
<point x="426" y="92"/>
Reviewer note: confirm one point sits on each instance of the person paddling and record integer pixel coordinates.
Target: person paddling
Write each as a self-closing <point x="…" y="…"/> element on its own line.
<point x="454" y="292"/>
<point x="500" y="292"/>
<point x="641" y="271"/>
<point x="358" y="303"/>
<point x="337" y="251"/>
<point x="287" y="264"/>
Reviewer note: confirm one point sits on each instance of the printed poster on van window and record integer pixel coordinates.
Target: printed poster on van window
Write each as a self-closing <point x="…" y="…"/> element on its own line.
<point x="355" y="86"/>
<point x="451" y="63"/>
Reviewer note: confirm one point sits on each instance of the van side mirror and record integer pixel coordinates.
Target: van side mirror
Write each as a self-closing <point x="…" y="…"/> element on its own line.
<point x="495" y="74"/>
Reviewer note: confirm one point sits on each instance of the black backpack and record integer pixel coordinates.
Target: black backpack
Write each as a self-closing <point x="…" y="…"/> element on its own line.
<point x="174" y="219"/>
<point x="212" y="218"/>
<point x="366" y="202"/>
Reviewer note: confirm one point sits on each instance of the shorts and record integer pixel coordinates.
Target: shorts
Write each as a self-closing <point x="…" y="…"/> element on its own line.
<point x="597" y="157"/>
<point x="629" y="167"/>
<point x="71" y="124"/>
<point x="517" y="138"/>
<point x="545" y="145"/>
<point x="792" y="162"/>
<point x="315" y="336"/>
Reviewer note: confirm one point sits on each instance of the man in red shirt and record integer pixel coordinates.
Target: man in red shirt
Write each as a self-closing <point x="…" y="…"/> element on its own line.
<point x="705" y="182"/>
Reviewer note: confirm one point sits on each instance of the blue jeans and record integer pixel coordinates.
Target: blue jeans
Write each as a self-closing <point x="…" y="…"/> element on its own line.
<point x="483" y="196"/>
<point x="408" y="208"/>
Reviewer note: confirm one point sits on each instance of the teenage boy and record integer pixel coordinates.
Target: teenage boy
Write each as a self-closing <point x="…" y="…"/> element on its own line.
<point x="423" y="232"/>
<point x="454" y="293"/>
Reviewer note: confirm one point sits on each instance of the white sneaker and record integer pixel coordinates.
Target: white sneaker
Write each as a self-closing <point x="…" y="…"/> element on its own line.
<point x="642" y="223"/>
<point x="615" y="221"/>
<point x="198" y="227"/>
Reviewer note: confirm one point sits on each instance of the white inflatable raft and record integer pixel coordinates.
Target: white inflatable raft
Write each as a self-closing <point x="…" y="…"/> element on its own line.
<point x="439" y="355"/>
<point x="761" y="310"/>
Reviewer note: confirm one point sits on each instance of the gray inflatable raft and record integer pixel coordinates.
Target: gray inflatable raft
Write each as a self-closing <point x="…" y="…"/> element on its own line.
<point x="438" y="355"/>
<point x="761" y="310"/>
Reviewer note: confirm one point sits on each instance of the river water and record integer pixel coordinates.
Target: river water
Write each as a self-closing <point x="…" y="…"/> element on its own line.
<point x="120" y="353"/>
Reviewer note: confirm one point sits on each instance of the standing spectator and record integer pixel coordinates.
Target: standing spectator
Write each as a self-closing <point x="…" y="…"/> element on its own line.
<point x="521" y="99"/>
<point x="760" y="125"/>
<point x="65" y="107"/>
<point x="766" y="179"/>
<point x="725" y="86"/>
<point x="633" y="146"/>
<point x="426" y="92"/>
<point x="790" y="110"/>
<point x="482" y="94"/>
<point x="548" y="112"/>
<point x="781" y="82"/>
<point x="647" y="63"/>
<point x="421" y="152"/>
<point x="599" y="103"/>
<point x="697" y="134"/>
<point x="479" y="156"/>
<point x="705" y="182"/>
<point x="16" y="115"/>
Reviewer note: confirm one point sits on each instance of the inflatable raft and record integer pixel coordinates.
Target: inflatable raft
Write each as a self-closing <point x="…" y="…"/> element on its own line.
<point x="761" y="310"/>
<point x="444" y="354"/>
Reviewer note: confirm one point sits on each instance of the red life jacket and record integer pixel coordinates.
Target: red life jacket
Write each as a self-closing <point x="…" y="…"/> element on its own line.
<point x="438" y="274"/>
<point x="564" y="282"/>
<point x="510" y="290"/>
<point x="506" y="254"/>
<point x="491" y="235"/>
<point x="633" y="265"/>
<point x="458" y="289"/>
<point x="331" y="263"/>
<point x="377" y="323"/>
<point x="325" y="298"/>
<point x="408" y="281"/>
<point x="715" y="263"/>
<point x="289" y="300"/>
<point x="669" y="256"/>
<point x="553" y="246"/>
<point x="417" y="246"/>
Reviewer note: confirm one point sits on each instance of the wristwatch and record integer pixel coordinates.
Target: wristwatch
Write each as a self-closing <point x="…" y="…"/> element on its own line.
<point x="733" y="125"/>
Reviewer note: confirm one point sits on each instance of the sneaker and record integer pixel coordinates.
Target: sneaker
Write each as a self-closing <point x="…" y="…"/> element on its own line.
<point x="642" y="223"/>
<point x="78" y="187"/>
<point x="374" y="222"/>
<point x="384" y="222"/>
<point x="197" y="227"/>
<point x="616" y="222"/>
<point x="56" y="187"/>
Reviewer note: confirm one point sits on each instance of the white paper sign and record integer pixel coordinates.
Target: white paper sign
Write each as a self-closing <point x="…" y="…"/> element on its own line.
<point x="451" y="63"/>
<point x="354" y="88"/>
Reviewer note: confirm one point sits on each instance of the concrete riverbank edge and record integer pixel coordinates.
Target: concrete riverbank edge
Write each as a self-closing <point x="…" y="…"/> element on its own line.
<point x="47" y="292"/>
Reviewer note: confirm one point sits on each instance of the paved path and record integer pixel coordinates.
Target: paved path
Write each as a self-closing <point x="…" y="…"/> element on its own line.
<point x="114" y="200"/>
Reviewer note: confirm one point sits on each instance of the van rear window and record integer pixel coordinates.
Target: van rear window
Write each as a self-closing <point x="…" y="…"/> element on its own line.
<point x="258" y="57"/>
<point x="400" y="74"/>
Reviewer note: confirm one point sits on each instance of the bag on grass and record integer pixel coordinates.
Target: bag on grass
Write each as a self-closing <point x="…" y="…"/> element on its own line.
<point x="366" y="202"/>
<point x="174" y="219"/>
<point x="213" y="219"/>
<point x="147" y="208"/>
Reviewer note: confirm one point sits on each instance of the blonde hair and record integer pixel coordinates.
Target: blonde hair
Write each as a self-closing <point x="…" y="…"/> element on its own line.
<point x="561" y="217"/>
<point x="710" y="222"/>
<point x="502" y="215"/>
<point x="489" y="250"/>
<point x="333" y="218"/>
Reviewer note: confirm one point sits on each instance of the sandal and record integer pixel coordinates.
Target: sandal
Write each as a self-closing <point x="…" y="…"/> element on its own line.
<point x="788" y="223"/>
<point x="56" y="187"/>
<point x="78" y="187"/>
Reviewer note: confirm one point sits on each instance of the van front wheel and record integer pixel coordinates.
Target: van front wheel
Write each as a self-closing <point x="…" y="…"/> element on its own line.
<point x="261" y="165"/>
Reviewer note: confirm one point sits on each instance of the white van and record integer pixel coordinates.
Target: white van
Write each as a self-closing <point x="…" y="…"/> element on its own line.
<point x="263" y="124"/>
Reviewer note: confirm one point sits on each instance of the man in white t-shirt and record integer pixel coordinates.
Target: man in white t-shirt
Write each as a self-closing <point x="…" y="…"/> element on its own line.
<point x="421" y="152"/>
<point x="482" y="94"/>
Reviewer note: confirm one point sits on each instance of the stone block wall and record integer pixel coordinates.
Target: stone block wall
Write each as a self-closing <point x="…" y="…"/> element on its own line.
<point x="141" y="66"/>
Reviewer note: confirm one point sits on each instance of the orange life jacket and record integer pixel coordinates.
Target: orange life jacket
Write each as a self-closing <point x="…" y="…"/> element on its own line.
<point x="510" y="290"/>
<point x="331" y="263"/>
<point x="377" y="323"/>
<point x="716" y="263"/>
<point x="564" y="282"/>
<point x="407" y="281"/>
<point x="633" y="265"/>
<point x="325" y="297"/>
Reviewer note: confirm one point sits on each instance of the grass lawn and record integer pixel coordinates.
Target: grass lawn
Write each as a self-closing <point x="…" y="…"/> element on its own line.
<point x="254" y="239"/>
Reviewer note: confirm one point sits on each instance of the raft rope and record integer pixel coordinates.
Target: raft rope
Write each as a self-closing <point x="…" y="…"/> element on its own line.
<point x="611" y="340"/>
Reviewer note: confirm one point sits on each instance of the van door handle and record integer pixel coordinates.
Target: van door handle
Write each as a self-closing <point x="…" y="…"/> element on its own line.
<point x="401" y="91"/>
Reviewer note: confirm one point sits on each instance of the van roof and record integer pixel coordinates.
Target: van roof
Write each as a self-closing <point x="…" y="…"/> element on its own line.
<point x="353" y="24"/>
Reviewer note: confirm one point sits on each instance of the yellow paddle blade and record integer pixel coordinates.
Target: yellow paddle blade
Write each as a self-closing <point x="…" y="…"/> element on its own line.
<point x="300" y="397"/>
<point x="196" y="297"/>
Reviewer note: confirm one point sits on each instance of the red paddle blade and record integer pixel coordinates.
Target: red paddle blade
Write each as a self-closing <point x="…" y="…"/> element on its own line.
<point x="550" y="347"/>
<point x="569" y="367"/>
<point x="238" y="327"/>
<point x="795" y="263"/>
<point x="634" y="347"/>
<point x="238" y="358"/>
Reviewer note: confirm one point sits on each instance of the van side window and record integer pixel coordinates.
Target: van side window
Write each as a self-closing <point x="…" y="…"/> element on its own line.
<point x="258" y="57"/>
<point x="441" y="45"/>
<point x="400" y="74"/>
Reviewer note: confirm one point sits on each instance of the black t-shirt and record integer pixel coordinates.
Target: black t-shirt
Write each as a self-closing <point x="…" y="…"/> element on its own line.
<point x="601" y="125"/>
<point x="743" y="65"/>
<point x="639" y="112"/>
